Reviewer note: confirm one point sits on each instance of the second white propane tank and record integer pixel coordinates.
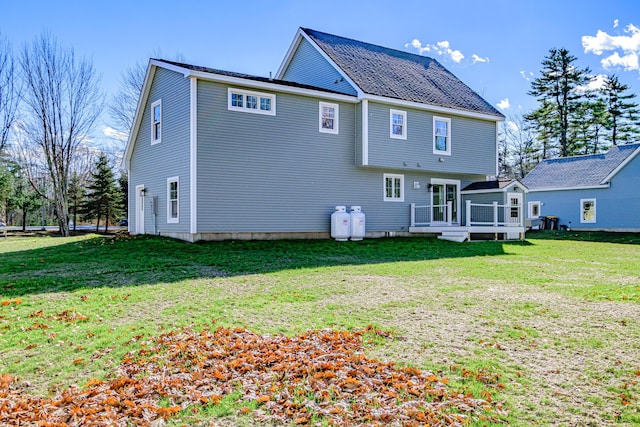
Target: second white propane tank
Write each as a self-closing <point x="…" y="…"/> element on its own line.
<point x="357" y="223"/>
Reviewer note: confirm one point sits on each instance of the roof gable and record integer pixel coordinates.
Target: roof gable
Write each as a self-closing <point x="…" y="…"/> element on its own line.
<point x="396" y="74"/>
<point x="580" y="171"/>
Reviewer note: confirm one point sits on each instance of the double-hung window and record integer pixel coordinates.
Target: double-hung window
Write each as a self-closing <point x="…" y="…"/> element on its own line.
<point x="251" y="102"/>
<point x="393" y="188"/>
<point x="328" y="117"/>
<point x="587" y="211"/>
<point x="173" y="185"/>
<point x="534" y="209"/>
<point x="441" y="136"/>
<point x="398" y="124"/>
<point x="156" y="122"/>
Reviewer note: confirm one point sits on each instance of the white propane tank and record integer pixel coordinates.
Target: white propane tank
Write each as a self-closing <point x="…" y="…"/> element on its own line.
<point x="340" y="224"/>
<point x="357" y="223"/>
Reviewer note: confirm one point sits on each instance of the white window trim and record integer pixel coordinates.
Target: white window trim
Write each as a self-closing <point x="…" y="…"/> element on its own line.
<point x="244" y="108"/>
<point x="446" y="152"/>
<point x="153" y="106"/>
<point x="384" y="187"/>
<point x="336" y="118"/>
<point x="530" y="206"/>
<point x="175" y="220"/>
<point x="404" y="124"/>
<point x="585" y="221"/>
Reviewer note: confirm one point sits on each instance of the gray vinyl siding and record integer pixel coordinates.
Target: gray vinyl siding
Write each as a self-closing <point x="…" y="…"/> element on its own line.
<point x="308" y="66"/>
<point x="473" y="143"/>
<point x="151" y="165"/>
<point x="259" y="173"/>
<point x="617" y="207"/>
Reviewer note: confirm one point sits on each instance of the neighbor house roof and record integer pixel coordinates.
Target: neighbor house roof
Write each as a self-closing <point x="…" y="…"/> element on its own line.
<point x="580" y="171"/>
<point x="401" y="75"/>
<point x="492" y="185"/>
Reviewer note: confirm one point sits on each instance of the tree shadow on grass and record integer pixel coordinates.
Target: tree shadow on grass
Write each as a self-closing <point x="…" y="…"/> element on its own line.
<point x="138" y="260"/>
<point x="586" y="236"/>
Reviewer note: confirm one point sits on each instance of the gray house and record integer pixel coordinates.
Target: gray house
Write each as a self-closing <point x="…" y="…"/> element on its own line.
<point x="216" y="154"/>
<point x="591" y="192"/>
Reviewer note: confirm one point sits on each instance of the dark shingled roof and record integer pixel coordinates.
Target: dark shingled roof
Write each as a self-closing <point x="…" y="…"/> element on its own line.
<point x="578" y="171"/>
<point x="488" y="185"/>
<point x="396" y="74"/>
<point x="246" y="76"/>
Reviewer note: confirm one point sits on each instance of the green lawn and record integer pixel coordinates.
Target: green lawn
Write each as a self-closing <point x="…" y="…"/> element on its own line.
<point x="549" y="327"/>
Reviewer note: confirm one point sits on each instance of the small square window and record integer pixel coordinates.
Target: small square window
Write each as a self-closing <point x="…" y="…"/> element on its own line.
<point x="441" y="136"/>
<point x="265" y="104"/>
<point x="252" y="102"/>
<point x="398" y="124"/>
<point x="329" y="117"/>
<point x="236" y="100"/>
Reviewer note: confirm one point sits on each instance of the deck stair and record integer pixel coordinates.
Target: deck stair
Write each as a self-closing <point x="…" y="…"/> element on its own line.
<point x="454" y="236"/>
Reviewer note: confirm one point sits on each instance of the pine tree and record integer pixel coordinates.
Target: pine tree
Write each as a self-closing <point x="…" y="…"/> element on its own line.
<point x="623" y="115"/>
<point x="103" y="199"/>
<point x="76" y="198"/>
<point x="558" y="90"/>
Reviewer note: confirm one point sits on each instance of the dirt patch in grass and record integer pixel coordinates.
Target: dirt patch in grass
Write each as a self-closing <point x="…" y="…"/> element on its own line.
<point x="571" y="359"/>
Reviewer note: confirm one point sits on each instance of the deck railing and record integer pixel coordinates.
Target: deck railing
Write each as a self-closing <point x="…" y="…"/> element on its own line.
<point x="431" y="214"/>
<point x="476" y="214"/>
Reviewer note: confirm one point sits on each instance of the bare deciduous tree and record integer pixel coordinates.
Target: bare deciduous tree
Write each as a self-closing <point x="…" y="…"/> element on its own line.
<point x="9" y="91"/>
<point x="520" y="148"/>
<point x="124" y="103"/>
<point x="62" y="102"/>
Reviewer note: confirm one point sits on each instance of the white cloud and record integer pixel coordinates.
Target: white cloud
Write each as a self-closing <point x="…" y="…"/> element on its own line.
<point x="596" y="83"/>
<point x="526" y="76"/>
<point x="503" y="104"/>
<point x="512" y="126"/>
<point x="615" y="23"/>
<point x="115" y="134"/>
<point x="628" y="62"/>
<point x="625" y="48"/>
<point x="477" y="58"/>
<point x="440" y="48"/>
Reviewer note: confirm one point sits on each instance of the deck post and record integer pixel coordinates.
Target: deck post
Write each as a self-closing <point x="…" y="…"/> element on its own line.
<point x="449" y="213"/>
<point x="468" y="213"/>
<point x="495" y="214"/>
<point x="413" y="214"/>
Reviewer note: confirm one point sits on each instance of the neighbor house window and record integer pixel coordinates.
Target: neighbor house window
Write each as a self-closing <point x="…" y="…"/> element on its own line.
<point x="441" y="136"/>
<point x="398" y="122"/>
<point x="393" y="188"/>
<point x="172" y="199"/>
<point x="587" y="210"/>
<point x="156" y="122"/>
<point x="534" y="209"/>
<point x="252" y="102"/>
<point x="328" y="117"/>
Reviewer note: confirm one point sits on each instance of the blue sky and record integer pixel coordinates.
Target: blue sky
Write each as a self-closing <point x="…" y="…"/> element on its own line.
<point x="495" y="46"/>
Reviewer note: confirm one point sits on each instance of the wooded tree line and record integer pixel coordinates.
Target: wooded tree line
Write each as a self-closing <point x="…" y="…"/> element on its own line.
<point x="577" y="114"/>
<point x="49" y="102"/>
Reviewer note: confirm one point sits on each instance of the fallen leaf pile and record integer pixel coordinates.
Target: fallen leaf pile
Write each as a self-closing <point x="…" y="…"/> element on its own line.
<point x="319" y="375"/>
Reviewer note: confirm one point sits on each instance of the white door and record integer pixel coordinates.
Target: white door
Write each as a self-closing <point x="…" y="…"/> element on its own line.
<point x="514" y="212"/>
<point x="139" y="209"/>
<point x="443" y="192"/>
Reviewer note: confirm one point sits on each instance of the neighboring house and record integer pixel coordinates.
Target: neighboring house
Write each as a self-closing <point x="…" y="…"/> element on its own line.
<point x="592" y="192"/>
<point x="216" y="154"/>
